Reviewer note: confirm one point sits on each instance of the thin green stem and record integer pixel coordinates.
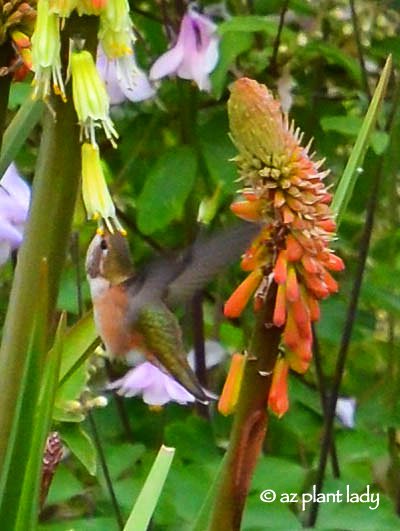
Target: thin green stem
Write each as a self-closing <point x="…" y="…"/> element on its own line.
<point x="249" y="426"/>
<point x="324" y="397"/>
<point x="274" y="59"/>
<point x="360" y="52"/>
<point x="105" y="470"/>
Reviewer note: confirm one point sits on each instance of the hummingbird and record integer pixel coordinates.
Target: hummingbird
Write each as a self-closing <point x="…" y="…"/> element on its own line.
<point x="133" y="311"/>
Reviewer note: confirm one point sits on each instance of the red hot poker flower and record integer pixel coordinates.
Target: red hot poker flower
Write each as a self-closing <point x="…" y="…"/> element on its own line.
<point x="284" y="191"/>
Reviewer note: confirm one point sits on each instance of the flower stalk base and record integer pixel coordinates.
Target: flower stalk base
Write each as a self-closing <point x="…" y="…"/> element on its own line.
<point x="250" y="423"/>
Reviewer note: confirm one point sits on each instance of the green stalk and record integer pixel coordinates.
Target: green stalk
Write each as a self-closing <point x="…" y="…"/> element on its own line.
<point x="46" y="236"/>
<point x="249" y="426"/>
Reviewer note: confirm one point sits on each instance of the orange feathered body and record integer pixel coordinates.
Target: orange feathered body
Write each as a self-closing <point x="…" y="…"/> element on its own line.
<point x="110" y="311"/>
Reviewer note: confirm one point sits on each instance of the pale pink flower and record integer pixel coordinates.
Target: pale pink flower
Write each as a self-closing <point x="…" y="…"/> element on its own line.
<point x="14" y="204"/>
<point x="156" y="387"/>
<point x="124" y="80"/>
<point x="195" y="53"/>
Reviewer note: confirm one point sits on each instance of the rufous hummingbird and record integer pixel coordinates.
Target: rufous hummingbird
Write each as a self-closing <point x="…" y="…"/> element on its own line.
<point x="132" y="311"/>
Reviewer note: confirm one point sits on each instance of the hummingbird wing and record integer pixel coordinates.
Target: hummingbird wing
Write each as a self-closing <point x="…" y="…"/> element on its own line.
<point x="176" y="280"/>
<point x="208" y="257"/>
<point x="163" y="339"/>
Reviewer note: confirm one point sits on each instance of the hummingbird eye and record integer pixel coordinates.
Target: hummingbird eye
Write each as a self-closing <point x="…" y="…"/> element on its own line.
<point x="103" y="245"/>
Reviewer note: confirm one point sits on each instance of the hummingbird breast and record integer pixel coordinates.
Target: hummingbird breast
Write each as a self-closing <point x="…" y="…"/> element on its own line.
<point x="110" y="315"/>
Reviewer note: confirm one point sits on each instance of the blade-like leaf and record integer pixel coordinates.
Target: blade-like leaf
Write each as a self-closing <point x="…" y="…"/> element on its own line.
<point x="28" y="509"/>
<point x="353" y="168"/>
<point x="147" y="500"/>
<point x="20" y="441"/>
<point x="17" y="132"/>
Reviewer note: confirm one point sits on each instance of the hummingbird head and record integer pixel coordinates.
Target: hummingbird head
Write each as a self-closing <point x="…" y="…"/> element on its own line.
<point x="108" y="258"/>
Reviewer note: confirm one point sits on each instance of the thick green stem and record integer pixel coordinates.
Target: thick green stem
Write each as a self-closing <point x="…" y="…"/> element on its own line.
<point x="250" y="424"/>
<point x="47" y="235"/>
<point x="54" y="195"/>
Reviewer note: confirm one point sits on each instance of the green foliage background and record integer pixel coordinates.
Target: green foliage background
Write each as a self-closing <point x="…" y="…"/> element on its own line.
<point x="173" y="153"/>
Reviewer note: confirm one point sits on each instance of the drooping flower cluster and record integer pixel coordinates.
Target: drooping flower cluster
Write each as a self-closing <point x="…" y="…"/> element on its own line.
<point x="284" y="191"/>
<point x="114" y="76"/>
<point x="89" y="91"/>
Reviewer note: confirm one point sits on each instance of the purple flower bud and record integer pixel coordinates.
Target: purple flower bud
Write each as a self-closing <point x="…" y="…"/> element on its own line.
<point x="156" y="387"/>
<point x="123" y="78"/>
<point x="14" y="205"/>
<point x="195" y="53"/>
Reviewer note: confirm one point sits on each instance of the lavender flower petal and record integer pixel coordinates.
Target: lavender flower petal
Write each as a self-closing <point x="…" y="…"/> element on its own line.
<point x="123" y="78"/>
<point x="195" y="53"/>
<point x="14" y="205"/>
<point x="156" y="387"/>
<point x="168" y="63"/>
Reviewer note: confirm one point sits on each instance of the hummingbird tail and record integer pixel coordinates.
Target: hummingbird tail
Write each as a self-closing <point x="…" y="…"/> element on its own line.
<point x="184" y="375"/>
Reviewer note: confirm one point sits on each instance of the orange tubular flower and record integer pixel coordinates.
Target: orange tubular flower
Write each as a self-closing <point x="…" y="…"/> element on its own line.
<point x="230" y="392"/>
<point x="278" y="400"/>
<point x="284" y="191"/>
<point x="240" y="297"/>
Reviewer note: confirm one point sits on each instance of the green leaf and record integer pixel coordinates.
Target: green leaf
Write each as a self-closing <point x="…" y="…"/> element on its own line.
<point x="203" y="515"/>
<point x="166" y="189"/>
<point x="80" y="341"/>
<point x="19" y="93"/>
<point x="276" y="516"/>
<point x="348" y="180"/>
<point x="146" y="502"/>
<point x="335" y="56"/>
<point x="87" y="524"/>
<point x="18" y="131"/>
<point x="218" y="149"/>
<point x="30" y="491"/>
<point x="81" y="445"/>
<point x="64" y="485"/>
<point x="271" y="468"/>
<point x="19" y="448"/>
<point x="346" y="125"/>
<point x="231" y="46"/>
<point x="356" y="516"/>
<point x="68" y="393"/>
<point x="121" y="458"/>
<point x="193" y="439"/>
<point x="248" y="24"/>
<point x="379" y="141"/>
<point x="350" y="126"/>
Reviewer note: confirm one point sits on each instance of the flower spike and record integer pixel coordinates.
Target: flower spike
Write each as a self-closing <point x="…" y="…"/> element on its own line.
<point x="284" y="192"/>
